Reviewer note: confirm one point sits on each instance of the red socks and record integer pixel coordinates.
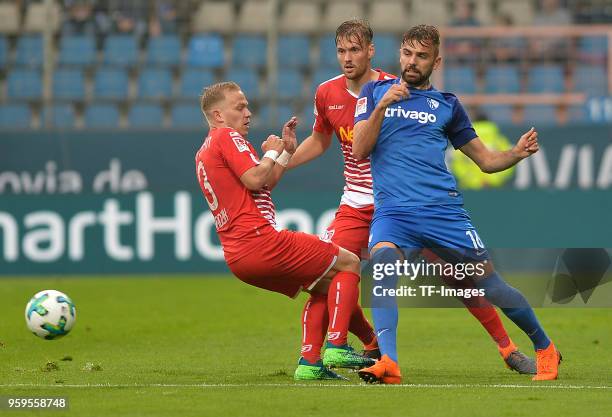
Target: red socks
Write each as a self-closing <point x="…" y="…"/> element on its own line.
<point x="342" y="298"/>
<point x="361" y="327"/>
<point x="488" y="317"/>
<point x="314" y="326"/>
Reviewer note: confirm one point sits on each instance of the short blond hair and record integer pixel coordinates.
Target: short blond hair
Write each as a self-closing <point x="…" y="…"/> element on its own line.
<point x="214" y="93"/>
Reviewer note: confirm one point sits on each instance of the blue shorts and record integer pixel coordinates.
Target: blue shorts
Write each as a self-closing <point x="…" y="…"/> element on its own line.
<point x="440" y="228"/>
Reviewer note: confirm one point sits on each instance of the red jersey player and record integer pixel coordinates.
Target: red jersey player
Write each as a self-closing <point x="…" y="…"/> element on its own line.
<point x="236" y="184"/>
<point x="335" y="102"/>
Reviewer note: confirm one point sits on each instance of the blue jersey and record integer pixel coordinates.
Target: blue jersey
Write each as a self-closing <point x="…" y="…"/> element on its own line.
<point x="408" y="161"/>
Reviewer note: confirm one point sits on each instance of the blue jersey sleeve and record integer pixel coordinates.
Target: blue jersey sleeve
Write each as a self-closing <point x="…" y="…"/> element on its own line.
<point x="365" y="104"/>
<point x="459" y="130"/>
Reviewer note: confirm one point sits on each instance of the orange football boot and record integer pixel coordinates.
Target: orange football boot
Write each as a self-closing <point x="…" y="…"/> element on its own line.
<point x="385" y="371"/>
<point x="548" y="361"/>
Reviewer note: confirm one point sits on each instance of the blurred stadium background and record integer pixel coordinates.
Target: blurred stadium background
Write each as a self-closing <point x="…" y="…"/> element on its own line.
<point x="100" y="120"/>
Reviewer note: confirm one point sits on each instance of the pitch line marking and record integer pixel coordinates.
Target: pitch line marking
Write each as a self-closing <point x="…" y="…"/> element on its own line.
<point x="309" y="385"/>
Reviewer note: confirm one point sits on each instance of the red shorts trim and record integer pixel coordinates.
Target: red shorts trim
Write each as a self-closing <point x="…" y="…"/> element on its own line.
<point x="286" y="262"/>
<point x="350" y="229"/>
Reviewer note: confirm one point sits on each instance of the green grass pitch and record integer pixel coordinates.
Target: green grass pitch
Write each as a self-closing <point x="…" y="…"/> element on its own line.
<point x="213" y="346"/>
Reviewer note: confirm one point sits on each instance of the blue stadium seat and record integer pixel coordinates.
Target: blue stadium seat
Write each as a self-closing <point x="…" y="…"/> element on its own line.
<point x="187" y="116"/>
<point x="593" y="48"/>
<point x="121" y="50"/>
<point x="577" y="114"/>
<point x="206" y="51"/>
<point x="289" y="84"/>
<point x="193" y="81"/>
<point x="3" y="52"/>
<point x="24" y="84"/>
<point x="164" y="50"/>
<point x="102" y="116"/>
<point x="29" y="51"/>
<point x="68" y="84"/>
<point x="13" y="116"/>
<point x="146" y="115"/>
<point x="327" y="51"/>
<point x="247" y="79"/>
<point x="460" y="79"/>
<point x="387" y="52"/>
<point x="502" y="79"/>
<point x="306" y="116"/>
<point x="59" y="116"/>
<point x="546" y="79"/>
<point x="249" y="51"/>
<point x="499" y="113"/>
<point x="591" y="79"/>
<point x="540" y="114"/>
<point x="111" y="83"/>
<point x="265" y="118"/>
<point x="293" y="51"/>
<point x="323" y="74"/>
<point x="77" y="51"/>
<point x="155" y="83"/>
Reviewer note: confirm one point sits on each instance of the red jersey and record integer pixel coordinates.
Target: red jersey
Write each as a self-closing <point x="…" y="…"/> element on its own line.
<point x="240" y="214"/>
<point x="335" y="112"/>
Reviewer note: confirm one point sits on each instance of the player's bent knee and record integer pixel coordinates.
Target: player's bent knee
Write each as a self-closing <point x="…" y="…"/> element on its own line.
<point x="346" y="262"/>
<point x="381" y="245"/>
<point x="323" y="285"/>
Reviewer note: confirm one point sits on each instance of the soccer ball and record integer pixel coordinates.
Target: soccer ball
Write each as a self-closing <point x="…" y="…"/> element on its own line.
<point x="50" y="314"/>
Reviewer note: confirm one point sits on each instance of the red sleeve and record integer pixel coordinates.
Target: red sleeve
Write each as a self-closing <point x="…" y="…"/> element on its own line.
<point x="321" y="123"/>
<point x="238" y="153"/>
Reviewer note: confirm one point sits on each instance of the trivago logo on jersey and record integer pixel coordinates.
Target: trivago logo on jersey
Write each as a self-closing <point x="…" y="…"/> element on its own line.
<point x="420" y="116"/>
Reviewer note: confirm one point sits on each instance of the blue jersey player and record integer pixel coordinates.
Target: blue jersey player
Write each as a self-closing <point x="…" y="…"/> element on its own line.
<point x="405" y="125"/>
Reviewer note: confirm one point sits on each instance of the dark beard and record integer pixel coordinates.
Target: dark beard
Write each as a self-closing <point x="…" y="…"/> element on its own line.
<point x="422" y="81"/>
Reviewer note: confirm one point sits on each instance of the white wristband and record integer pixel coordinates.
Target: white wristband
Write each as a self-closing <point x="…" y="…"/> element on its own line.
<point x="283" y="159"/>
<point x="271" y="154"/>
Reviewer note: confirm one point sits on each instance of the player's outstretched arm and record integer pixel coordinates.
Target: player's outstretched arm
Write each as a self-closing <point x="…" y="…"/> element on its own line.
<point x="490" y="161"/>
<point x="255" y="178"/>
<point x="312" y="147"/>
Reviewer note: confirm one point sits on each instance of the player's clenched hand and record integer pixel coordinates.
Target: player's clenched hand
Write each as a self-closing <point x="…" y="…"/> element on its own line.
<point x="527" y="144"/>
<point x="394" y="94"/>
<point x="273" y="143"/>
<point x="289" y="135"/>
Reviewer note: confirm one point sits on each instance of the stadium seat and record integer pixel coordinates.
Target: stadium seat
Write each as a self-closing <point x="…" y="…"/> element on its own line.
<point x="321" y="75"/>
<point x="3" y="52"/>
<point x="540" y="114"/>
<point x="249" y="51"/>
<point x="391" y="16"/>
<point x="13" y="116"/>
<point x="164" y="51"/>
<point x="9" y="18"/>
<point x="193" y="81"/>
<point x="29" y="51"/>
<point x="546" y="79"/>
<point x="327" y="51"/>
<point x="58" y="116"/>
<point x="248" y="80"/>
<point x="306" y="116"/>
<point x="102" y="116"/>
<point x="253" y="17"/>
<point x="155" y="83"/>
<point x="111" y="83"/>
<point x="77" y="51"/>
<point x="299" y="17"/>
<point x="206" y="51"/>
<point x="264" y="118"/>
<point x="68" y="84"/>
<point x="387" y="52"/>
<point x="434" y="12"/>
<point x="121" y="50"/>
<point x="214" y="16"/>
<point x="499" y="113"/>
<point x="339" y="11"/>
<point x="593" y="49"/>
<point x="591" y="79"/>
<point x="290" y="84"/>
<point x="502" y="79"/>
<point x="187" y="116"/>
<point x="24" y="84"/>
<point x="145" y="115"/>
<point x="460" y="79"/>
<point x="293" y="51"/>
<point x="37" y="18"/>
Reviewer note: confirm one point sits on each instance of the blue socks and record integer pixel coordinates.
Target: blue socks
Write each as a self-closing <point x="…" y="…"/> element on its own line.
<point x="384" y="309"/>
<point x="515" y="307"/>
